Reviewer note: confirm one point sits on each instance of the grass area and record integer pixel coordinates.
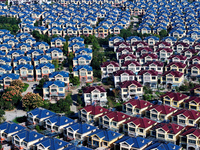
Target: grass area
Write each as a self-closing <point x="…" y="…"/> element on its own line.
<point x="26" y="85"/>
<point x="19" y="119"/>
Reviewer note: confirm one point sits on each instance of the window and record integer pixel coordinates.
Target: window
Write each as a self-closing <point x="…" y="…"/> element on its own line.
<point x="190" y="122"/>
<point x="175" y="103"/>
<point x="153" y="78"/>
<point x="114" y="124"/>
<point x="125" y="90"/>
<point x="176" y="79"/>
<point x="141" y="130"/>
<point x="161" y="136"/>
<point x="60" y="89"/>
<point x="170" y="136"/>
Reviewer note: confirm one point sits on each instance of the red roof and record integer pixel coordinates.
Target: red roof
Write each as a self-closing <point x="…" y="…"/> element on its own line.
<point x="126" y="63"/>
<point x="138" y="42"/>
<point x="124" y="49"/>
<point x="194" y="65"/>
<point x="119" y="43"/>
<point x="181" y="57"/>
<point x="191" y="114"/>
<point x="178" y="64"/>
<point x="163" y="109"/>
<point x="105" y="64"/>
<point x="195" y="57"/>
<point x="127" y="55"/>
<point x="153" y="56"/>
<point x="193" y="51"/>
<point x="164" y="43"/>
<point x="119" y="72"/>
<point x="157" y="63"/>
<point x="89" y="89"/>
<point x="175" y="96"/>
<point x="174" y="73"/>
<point x="193" y="98"/>
<point x="141" y="122"/>
<point x="196" y="44"/>
<point x="196" y="87"/>
<point x="165" y="49"/>
<point x="116" y="115"/>
<point x="191" y="130"/>
<point x="94" y="110"/>
<point x="168" y="127"/>
<point x="152" y="72"/>
<point x="144" y="48"/>
<point x="138" y="103"/>
<point x="182" y="43"/>
<point x="125" y="84"/>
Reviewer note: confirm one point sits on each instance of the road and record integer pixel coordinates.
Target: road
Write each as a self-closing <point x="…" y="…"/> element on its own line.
<point x="29" y="89"/>
<point x="10" y="115"/>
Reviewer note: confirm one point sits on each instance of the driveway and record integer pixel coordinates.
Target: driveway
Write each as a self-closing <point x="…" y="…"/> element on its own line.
<point x="10" y="115"/>
<point x="29" y="89"/>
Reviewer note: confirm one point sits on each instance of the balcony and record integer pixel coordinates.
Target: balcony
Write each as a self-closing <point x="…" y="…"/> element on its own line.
<point x="55" y="93"/>
<point x="106" y="126"/>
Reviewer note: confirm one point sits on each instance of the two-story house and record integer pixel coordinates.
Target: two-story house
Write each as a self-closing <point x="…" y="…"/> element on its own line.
<point x="107" y="68"/>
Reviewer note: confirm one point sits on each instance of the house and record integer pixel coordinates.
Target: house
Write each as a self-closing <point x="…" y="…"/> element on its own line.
<point x="101" y="31"/>
<point x="75" y="46"/>
<point x="55" y="31"/>
<point x="121" y="45"/>
<point x="113" y="120"/>
<point x="60" y="76"/>
<point x="139" y="44"/>
<point x="176" y="66"/>
<point x="174" y="99"/>
<point x="194" y="60"/>
<point x="147" y="58"/>
<point x="186" y="117"/>
<point x="25" y="71"/>
<point x="107" y="68"/>
<point x="55" y="54"/>
<point x="133" y="66"/>
<point x="21" y="60"/>
<point x="38" y="115"/>
<point x="189" y="53"/>
<point x="85" y="73"/>
<point x="5" y="61"/>
<point x="34" y="53"/>
<point x="5" y="48"/>
<point x="5" y="69"/>
<point x="154" y="65"/>
<point x="75" y="40"/>
<point x="130" y="89"/>
<point x="143" y="50"/>
<point x="180" y="46"/>
<point x="78" y="131"/>
<point x="193" y="70"/>
<point x="189" y="138"/>
<point x="103" y="138"/>
<point x="84" y="51"/>
<point x="58" y="42"/>
<point x="129" y="143"/>
<point x="195" y="90"/>
<point x="172" y="78"/>
<point x="133" y="39"/>
<point x="95" y="94"/>
<point x="6" y="79"/>
<point x="91" y="113"/>
<point x="124" y="51"/>
<point x="163" y="146"/>
<point x="123" y="75"/>
<point x="144" y="30"/>
<point x="114" y="40"/>
<point x="148" y="77"/>
<point x="138" y="126"/>
<point x="136" y="107"/>
<point x="41" y="59"/>
<point x="54" y="90"/>
<point x="166" y="132"/>
<point x="43" y="70"/>
<point x="41" y="45"/>
<point x="164" y="53"/>
<point x="177" y="58"/>
<point x="160" y="112"/>
<point x="57" y="123"/>
<point x="50" y="143"/>
<point x="15" y="53"/>
<point x="25" y="139"/>
<point x="151" y="40"/>
<point x="7" y="129"/>
<point x="23" y="47"/>
<point x="192" y="103"/>
<point x="86" y="30"/>
<point x="81" y="60"/>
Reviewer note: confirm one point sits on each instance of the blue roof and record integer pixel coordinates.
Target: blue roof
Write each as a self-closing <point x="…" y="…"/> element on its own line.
<point x="6" y="67"/>
<point x="10" y="127"/>
<point x="60" y="120"/>
<point x="51" y="66"/>
<point x="10" y="75"/>
<point x="38" y="43"/>
<point x="135" y="142"/>
<point x="62" y="73"/>
<point x="57" y="28"/>
<point x="132" y="37"/>
<point x="28" y="135"/>
<point x="88" y="50"/>
<point x="82" y="128"/>
<point x="58" y="38"/>
<point x="52" y="49"/>
<point x="87" y="57"/>
<point x="26" y="58"/>
<point x="5" y="45"/>
<point x="77" y="43"/>
<point x="153" y="37"/>
<point x="20" y="52"/>
<point x="52" y="143"/>
<point x="22" y="44"/>
<point x="107" y="135"/>
<point x="77" y="68"/>
<point x="33" y="50"/>
<point x="58" y="83"/>
<point x="104" y="27"/>
<point x="28" y="66"/>
<point x="41" y="112"/>
<point x="163" y="146"/>
<point x="5" y="31"/>
<point x="71" y="147"/>
<point x="6" y="59"/>
<point x="37" y="58"/>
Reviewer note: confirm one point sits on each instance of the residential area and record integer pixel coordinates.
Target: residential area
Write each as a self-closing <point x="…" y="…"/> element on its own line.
<point x="104" y="75"/>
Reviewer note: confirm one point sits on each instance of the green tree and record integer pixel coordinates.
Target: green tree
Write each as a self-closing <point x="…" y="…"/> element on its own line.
<point x="163" y="33"/>
<point x="74" y="80"/>
<point x="125" y="33"/>
<point x="65" y="48"/>
<point x="79" y="101"/>
<point x="56" y="64"/>
<point x="2" y="118"/>
<point x="41" y="83"/>
<point x="70" y="61"/>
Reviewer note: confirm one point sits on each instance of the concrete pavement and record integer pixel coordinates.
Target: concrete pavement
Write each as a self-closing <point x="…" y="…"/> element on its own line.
<point x="29" y="89"/>
<point x="10" y="115"/>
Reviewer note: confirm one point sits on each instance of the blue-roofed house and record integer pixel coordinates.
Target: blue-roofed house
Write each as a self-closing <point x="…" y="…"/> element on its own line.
<point x="33" y="53"/>
<point x="28" y="40"/>
<point x="144" y="29"/>
<point x="5" y="48"/>
<point x="6" y="79"/>
<point x="5" y="61"/>
<point x="114" y="40"/>
<point x="58" y="42"/>
<point x="15" y="53"/>
<point x="85" y="73"/>
<point x="11" y="42"/>
<point x="43" y="70"/>
<point x="55" y="53"/>
<point x="4" y="31"/>
<point x="54" y="90"/>
<point x="75" y="46"/>
<point x="101" y="31"/>
<point x="41" y="45"/>
<point x="70" y="31"/>
<point x="176" y="33"/>
<point x="75" y="40"/>
<point x="38" y="115"/>
<point x="71" y="147"/>
<point x="5" y="69"/>
<point x="170" y="39"/>
<point x="86" y="30"/>
<point x="163" y="146"/>
<point x="151" y="40"/>
<point x="55" y="31"/>
<point x="103" y="138"/>
<point x="42" y="59"/>
<point x="81" y="60"/>
<point x="84" y="51"/>
<point x="50" y="144"/>
<point x="7" y="129"/>
<point x="78" y="131"/>
<point x="25" y="139"/>
<point x="61" y="76"/>
<point x="133" y="39"/>
<point x="21" y="60"/>
<point x="128" y="142"/>
<point x="116" y="29"/>
<point x="25" y="71"/>
<point x="23" y="47"/>
<point x="57" y="123"/>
